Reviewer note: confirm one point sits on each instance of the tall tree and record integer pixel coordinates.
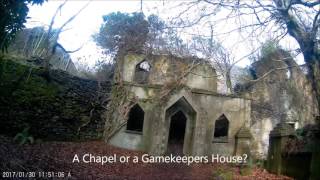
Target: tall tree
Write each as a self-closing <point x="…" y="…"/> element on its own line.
<point x="123" y="31"/>
<point x="298" y="18"/>
<point x="135" y="32"/>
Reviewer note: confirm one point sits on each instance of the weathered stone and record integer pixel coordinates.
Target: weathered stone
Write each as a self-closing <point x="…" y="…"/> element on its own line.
<point x="243" y="142"/>
<point x="278" y="139"/>
<point x="285" y="94"/>
<point x="64" y="108"/>
<point x="281" y="130"/>
<point x="244" y="132"/>
<point x="171" y="86"/>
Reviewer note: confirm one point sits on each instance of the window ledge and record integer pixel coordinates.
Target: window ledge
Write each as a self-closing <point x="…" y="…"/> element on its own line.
<point x="220" y="140"/>
<point x="133" y="132"/>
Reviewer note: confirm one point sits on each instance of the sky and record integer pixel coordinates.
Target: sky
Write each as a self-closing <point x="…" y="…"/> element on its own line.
<point x="79" y="32"/>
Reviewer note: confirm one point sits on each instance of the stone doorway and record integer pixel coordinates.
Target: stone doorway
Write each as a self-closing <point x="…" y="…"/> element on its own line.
<point x="180" y="127"/>
<point x="177" y="133"/>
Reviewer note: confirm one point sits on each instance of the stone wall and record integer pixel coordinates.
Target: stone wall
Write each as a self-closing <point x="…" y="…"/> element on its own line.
<point x="62" y="108"/>
<point x="168" y="87"/>
<point x="294" y="154"/>
<point x="208" y="108"/>
<point x="166" y="68"/>
<point x="283" y="94"/>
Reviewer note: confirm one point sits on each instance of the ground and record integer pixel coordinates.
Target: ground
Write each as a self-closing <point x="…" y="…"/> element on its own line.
<point x="58" y="156"/>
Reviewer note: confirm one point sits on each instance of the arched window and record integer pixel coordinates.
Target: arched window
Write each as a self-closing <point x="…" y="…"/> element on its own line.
<point x="141" y="73"/>
<point x="135" y="120"/>
<point x="221" y="128"/>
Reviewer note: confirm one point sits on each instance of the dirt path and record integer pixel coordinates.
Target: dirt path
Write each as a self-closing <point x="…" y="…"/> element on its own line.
<point x="58" y="157"/>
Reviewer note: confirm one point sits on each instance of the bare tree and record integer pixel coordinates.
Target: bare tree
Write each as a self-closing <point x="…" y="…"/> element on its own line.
<point x="219" y="56"/>
<point x="52" y="36"/>
<point x="297" y="18"/>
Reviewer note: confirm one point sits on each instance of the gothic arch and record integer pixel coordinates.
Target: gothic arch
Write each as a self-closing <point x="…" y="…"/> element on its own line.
<point x="221" y="128"/>
<point x="181" y="111"/>
<point x="135" y="119"/>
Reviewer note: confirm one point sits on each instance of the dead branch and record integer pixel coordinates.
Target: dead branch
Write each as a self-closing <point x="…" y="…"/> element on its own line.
<point x="53" y="44"/>
<point x="273" y="70"/>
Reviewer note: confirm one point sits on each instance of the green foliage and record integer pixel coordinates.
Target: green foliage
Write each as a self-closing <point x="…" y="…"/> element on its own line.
<point x="221" y="173"/>
<point x="269" y="47"/>
<point x="28" y="90"/>
<point x="165" y="39"/>
<point x="123" y="31"/>
<point x="13" y="14"/>
<point x="24" y="137"/>
<point x="35" y="91"/>
<point x="134" y="32"/>
<point x="53" y="109"/>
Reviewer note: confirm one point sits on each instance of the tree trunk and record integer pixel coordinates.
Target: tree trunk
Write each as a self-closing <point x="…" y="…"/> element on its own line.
<point x="306" y="40"/>
<point x="313" y="65"/>
<point x="311" y="57"/>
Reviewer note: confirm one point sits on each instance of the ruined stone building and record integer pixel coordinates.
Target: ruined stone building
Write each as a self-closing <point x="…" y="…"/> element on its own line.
<point x="173" y="107"/>
<point x="283" y="95"/>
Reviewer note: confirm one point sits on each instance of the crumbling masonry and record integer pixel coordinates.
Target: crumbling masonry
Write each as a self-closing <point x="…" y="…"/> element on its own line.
<point x="171" y="105"/>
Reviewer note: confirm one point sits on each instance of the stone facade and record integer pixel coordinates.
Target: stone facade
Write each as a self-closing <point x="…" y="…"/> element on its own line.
<point x="178" y="108"/>
<point x="284" y="94"/>
<point x="278" y="138"/>
<point x="297" y="157"/>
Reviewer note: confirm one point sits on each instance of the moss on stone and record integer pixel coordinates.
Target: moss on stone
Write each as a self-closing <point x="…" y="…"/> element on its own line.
<point x="18" y="81"/>
<point x="52" y="108"/>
